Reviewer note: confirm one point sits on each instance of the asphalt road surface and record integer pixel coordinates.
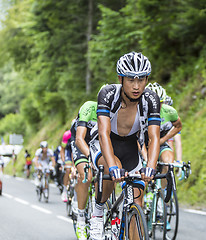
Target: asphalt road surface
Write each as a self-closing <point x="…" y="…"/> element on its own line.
<point x="23" y="217"/>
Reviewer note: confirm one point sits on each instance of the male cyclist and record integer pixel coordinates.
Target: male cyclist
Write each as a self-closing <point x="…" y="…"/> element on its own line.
<point x="125" y="111"/>
<point x="1" y="172"/>
<point x="42" y="159"/>
<point x="85" y="121"/>
<point x="170" y="125"/>
<point x="66" y="157"/>
<point x="176" y="139"/>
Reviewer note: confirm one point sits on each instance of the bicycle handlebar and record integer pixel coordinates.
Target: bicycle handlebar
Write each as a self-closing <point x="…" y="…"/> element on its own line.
<point x="171" y="185"/>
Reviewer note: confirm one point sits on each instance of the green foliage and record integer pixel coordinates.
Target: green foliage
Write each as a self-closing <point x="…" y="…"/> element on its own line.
<point x="44" y="57"/>
<point x="12" y="123"/>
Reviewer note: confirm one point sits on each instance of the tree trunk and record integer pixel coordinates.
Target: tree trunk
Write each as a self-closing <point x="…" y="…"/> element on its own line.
<point x="89" y="32"/>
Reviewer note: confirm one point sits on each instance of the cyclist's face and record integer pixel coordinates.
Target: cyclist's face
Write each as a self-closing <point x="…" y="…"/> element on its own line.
<point x="134" y="87"/>
<point x="44" y="149"/>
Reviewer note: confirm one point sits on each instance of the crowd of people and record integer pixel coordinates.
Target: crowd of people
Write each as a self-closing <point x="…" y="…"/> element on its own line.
<point x="129" y="121"/>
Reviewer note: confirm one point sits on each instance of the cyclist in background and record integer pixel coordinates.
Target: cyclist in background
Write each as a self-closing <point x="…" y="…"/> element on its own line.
<point x="176" y="140"/>
<point x="85" y="121"/>
<point x="28" y="164"/>
<point x="42" y="159"/>
<point x="14" y="160"/>
<point x="66" y="157"/>
<point x="170" y="126"/>
<point x="125" y="111"/>
<point x="1" y="172"/>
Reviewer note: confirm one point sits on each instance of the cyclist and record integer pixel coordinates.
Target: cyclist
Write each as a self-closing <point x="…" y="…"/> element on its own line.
<point x="42" y="159"/>
<point x="170" y="126"/>
<point x="177" y="138"/>
<point x="66" y="157"/>
<point x="28" y="164"/>
<point x="125" y="111"/>
<point x="86" y="119"/>
<point x="14" y="160"/>
<point x="1" y="172"/>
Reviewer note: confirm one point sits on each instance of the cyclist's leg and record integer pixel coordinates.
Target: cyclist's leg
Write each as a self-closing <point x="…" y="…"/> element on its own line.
<point x="81" y="189"/>
<point x="96" y="222"/>
<point x="166" y="155"/>
<point x="66" y="180"/>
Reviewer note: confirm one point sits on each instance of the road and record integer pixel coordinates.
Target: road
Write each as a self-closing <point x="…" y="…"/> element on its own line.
<point x="22" y="217"/>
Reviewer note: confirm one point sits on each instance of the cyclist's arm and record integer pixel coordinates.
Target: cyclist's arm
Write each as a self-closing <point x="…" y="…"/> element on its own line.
<point x="80" y="140"/>
<point x="104" y="130"/>
<point x="153" y="145"/>
<point x="53" y="161"/>
<point x="178" y="147"/>
<point x="62" y="153"/>
<point x="177" y="126"/>
<point x="143" y="151"/>
<point x="36" y="161"/>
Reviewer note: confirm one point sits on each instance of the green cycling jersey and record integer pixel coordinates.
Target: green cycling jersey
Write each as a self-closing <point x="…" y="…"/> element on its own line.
<point x="87" y="117"/>
<point x="168" y="115"/>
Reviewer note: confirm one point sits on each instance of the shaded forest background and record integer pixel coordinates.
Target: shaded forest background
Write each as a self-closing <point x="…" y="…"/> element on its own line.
<point x="54" y="55"/>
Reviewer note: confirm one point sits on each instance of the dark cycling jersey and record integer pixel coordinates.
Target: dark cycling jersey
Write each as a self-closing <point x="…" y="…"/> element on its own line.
<point x="148" y="110"/>
<point x="125" y="147"/>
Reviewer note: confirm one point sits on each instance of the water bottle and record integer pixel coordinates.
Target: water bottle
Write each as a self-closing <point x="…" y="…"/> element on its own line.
<point x="115" y="226"/>
<point x="149" y="198"/>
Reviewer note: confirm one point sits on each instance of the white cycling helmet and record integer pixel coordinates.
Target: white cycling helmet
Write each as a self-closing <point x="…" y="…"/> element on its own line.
<point x="44" y="144"/>
<point x="133" y="65"/>
<point x="168" y="100"/>
<point x="158" y="89"/>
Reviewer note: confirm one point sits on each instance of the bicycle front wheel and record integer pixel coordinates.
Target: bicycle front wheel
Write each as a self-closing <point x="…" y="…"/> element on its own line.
<point x="172" y="217"/>
<point x="137" y="225"/>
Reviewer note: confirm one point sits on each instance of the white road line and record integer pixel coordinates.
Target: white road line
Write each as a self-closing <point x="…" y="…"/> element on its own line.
<point x="65" y="219"/>
<point x="7" y="176"/>
<point x="7" y="195"/>
<point x="19" y="179"/>
<point x="41" y="209"/>
<point x="195" y="211"/>
<point x="52" y="185"/>
<point x="21" y="201"/>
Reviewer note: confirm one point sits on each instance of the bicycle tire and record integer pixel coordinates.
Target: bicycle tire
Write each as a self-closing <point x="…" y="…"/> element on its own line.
<point x="39" y="193"/>
<point x="159" y="225"/>
<point x="139" y="227"/>
<point x="70" y="194"/>
<point x="173" y="216"/>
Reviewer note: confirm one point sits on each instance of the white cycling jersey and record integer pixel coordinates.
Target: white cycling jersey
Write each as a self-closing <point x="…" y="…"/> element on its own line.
<point x="44" y="158"/>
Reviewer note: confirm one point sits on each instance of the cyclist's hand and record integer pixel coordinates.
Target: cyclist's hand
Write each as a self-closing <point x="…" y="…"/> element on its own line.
<point x="147" y="174"/>
<point x="40" y="168"/>
<point x="117" y="174"/>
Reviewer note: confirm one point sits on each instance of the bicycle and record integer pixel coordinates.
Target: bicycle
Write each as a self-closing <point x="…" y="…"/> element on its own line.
<point x="90" y="201"/>
<point x="163" y="216"/>
<point x="43" y="180"/>
<point x="70" y="209"/>
<point x="125" y="219"/>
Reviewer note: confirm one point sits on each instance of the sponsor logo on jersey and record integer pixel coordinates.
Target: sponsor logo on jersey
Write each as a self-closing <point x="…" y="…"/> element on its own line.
<point x="153" y="100"/>
<point x="93" y="147"/>
<point x="108" y="95"/>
